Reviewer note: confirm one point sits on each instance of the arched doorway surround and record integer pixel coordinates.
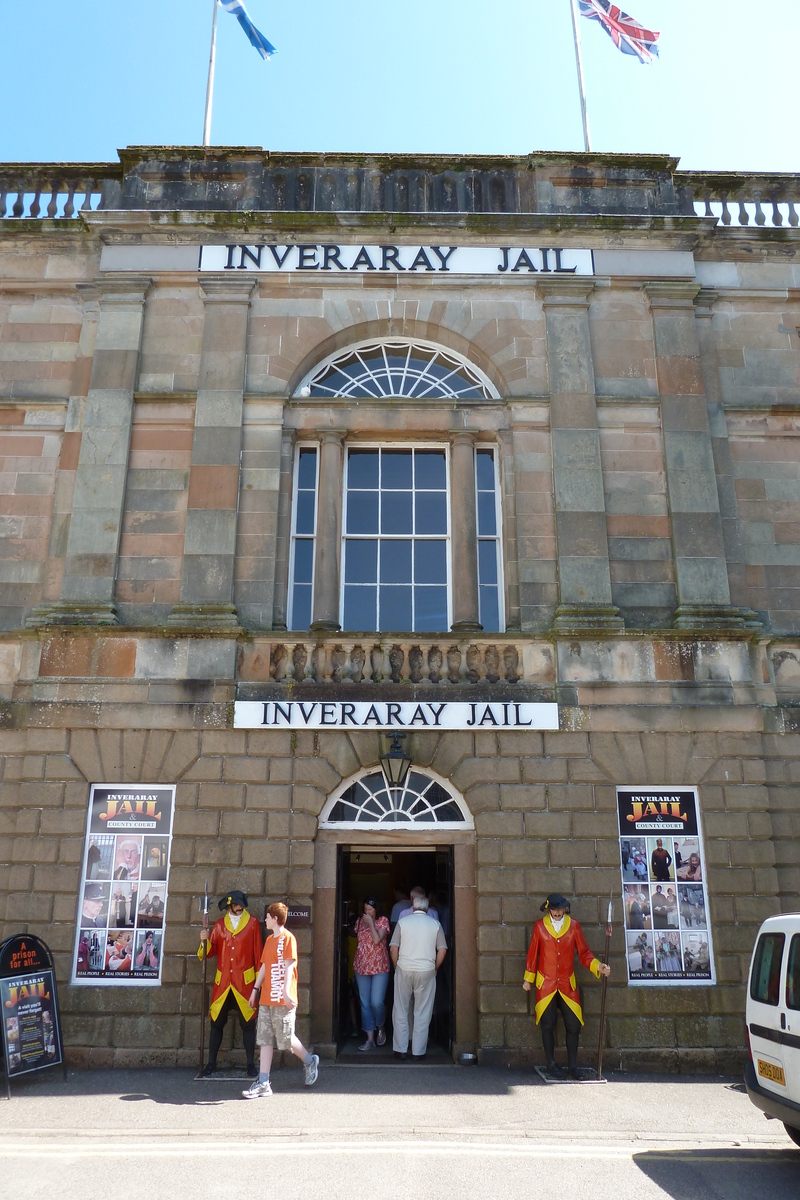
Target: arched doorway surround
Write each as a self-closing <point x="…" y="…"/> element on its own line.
<point x="407" y="824"/>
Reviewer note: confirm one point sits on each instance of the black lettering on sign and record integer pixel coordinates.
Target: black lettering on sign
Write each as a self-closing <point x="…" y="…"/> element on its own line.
<point x="523" y="261"/>
<point x="422" y="260"/>
<point x="363" y="260"/>
<point x="559" y="268"/>
<point x="443" y="257"/>
<point x="307" y="258"/>
<point x="330" y="254"/>
<point x="280" y="259"/>
<point x="389" y="255"/>
<point x="254" y="255"/>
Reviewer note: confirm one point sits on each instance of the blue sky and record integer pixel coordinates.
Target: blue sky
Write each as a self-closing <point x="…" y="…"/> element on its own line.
<point x="79" y="78"/>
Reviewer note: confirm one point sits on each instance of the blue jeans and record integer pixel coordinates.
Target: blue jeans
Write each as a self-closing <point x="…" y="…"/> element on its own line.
<point x="371" y="993"/>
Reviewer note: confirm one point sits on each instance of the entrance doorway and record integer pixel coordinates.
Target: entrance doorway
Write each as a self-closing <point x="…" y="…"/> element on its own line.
<point x="385" y="875"/>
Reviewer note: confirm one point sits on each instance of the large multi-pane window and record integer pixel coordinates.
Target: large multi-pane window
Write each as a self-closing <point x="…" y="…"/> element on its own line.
<point x="396" y="531"/>
<point x="488" y="512"/>
<point x="396" y="551"/>
<point x="304" y="527"/>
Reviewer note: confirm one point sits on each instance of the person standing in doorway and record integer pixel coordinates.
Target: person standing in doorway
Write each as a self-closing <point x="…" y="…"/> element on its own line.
<point x="371" y="968"/>
<point x="418" y="949"/>
<point x="550" y="967"/>
<point x="660" y="862"/>
<point x="236" y="942"/>
<point x="278" y="1004"/>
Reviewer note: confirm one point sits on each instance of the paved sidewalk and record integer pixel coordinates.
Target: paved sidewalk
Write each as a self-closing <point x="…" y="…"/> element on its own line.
<point x="375" y="1131"/>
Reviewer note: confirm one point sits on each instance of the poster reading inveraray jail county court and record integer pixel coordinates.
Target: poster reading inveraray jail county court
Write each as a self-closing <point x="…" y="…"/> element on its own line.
<point x="119" y="938"/>
<point x="664" y="888"/>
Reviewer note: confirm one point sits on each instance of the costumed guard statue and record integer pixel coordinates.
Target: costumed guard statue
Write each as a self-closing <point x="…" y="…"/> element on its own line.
<point x="237" y="943"/>
<point x="550" y="967"/>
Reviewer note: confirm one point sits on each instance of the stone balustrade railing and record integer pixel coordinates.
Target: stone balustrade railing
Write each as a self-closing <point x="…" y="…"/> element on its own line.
<point x="251" y="180"/>
<point x="417" y="661"/>
<point x="769" y="201"/>
<point x="54" y="190"/>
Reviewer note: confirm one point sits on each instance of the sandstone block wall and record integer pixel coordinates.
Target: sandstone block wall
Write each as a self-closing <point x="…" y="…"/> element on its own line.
<point x="544" y="811"/>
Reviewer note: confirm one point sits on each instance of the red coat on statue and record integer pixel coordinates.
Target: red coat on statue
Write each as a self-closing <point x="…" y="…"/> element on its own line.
<point x="238" y="954"/>
<point x="551" y="960"/>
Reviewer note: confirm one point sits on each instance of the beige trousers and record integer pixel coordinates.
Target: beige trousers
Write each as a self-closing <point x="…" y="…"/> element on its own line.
<point x="421" y="985"/>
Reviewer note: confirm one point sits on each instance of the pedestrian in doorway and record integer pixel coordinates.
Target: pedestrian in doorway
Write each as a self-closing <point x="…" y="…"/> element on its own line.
<point x="402" y="900"/>
<point x="418" y="948"/>
<point x="418" y="891"/>
<point x="371" y="967"/>
<point x="277" y="1008"/>
<point x="236" y="943"/>
<point x="550" y="967"/>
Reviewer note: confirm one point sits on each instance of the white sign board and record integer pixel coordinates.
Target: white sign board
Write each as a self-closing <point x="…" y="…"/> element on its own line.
<point x="427" y="714"/>
<point x="336" y="258"/>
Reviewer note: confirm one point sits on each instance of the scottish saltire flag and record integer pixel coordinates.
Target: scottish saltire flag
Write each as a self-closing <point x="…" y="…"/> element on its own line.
<point x="238" y="10"/>
<point x="626" y="33"/>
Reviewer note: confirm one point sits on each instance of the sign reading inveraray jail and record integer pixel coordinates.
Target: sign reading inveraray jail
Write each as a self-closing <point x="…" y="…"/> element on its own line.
<point x="446" y="260"/>
<point x="428" y="714"/>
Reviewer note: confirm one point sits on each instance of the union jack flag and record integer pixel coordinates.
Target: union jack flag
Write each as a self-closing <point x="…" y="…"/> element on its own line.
<point x="626" y="33"/>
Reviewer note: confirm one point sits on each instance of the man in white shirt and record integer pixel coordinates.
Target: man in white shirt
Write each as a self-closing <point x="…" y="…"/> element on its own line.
<point x="417" y="949"/>
<point x="407" y="909"/>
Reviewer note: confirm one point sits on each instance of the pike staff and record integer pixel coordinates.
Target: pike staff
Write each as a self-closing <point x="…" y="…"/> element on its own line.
<point x="205" y="985"/>
<point x="601" y="1041"/>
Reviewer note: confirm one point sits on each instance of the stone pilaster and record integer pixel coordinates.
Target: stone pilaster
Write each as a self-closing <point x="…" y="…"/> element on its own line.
<point x="464" y="535"/>
<point x="704" y="303"/>
<point x="584" y="576"/>
<point x="284" y="534"/>
<point x="209" y="549"/>
<point x="328" y="545"/>
<point x="704" y="599"/>
<point x="90" y="567"/>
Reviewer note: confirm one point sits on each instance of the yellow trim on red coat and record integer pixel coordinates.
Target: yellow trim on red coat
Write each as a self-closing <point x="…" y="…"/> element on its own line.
<point x="545" y="1000"/>
<point x="548" y="924"/>
<point x="594" y="967"/>
<point x="244" y="921"/>
<point x="247" y="1012"/>
<point x="530" y="977"/>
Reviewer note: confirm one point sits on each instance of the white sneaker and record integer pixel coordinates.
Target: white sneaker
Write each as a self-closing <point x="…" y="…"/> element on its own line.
<point x="311" y="1072"/>
<point x="257" y="1091"/>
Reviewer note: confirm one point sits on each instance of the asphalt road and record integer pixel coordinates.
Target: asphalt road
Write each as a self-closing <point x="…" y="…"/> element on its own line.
<point x="402" y="1134"/>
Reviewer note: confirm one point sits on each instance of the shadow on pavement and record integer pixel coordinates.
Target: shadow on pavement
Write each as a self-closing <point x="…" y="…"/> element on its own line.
<point x="738" y="1172"/>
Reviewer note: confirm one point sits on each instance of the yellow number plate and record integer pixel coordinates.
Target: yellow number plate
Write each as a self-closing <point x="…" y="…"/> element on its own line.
<point x="770" y="1071"/>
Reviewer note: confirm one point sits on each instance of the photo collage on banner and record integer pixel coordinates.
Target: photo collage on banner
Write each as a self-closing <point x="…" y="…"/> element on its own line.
<point x="664" y="889"/>
<point x="123" y="893"/>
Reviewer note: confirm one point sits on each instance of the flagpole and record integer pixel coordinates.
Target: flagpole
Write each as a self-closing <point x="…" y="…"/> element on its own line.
<point x="212" y="58"/>
<point x="587" y="142"/>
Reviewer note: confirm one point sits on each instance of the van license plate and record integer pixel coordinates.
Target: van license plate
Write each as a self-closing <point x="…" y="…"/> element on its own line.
<point x="769" y="1071"/>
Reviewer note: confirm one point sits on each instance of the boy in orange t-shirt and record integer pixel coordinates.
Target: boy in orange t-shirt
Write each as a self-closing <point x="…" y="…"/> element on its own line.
<point x="278" y="1003"/>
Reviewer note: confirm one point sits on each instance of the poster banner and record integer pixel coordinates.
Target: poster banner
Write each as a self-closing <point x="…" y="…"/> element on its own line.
<point x="119" y="937"/>
<point x="664" y="888"/>
<point x="31" y="1025"/>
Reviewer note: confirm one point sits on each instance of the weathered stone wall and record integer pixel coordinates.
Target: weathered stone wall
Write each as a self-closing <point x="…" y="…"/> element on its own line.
<point x="544" y="809"/>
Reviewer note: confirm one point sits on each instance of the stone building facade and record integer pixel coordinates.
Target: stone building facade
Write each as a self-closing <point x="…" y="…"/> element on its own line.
<point x="603" y="437"/>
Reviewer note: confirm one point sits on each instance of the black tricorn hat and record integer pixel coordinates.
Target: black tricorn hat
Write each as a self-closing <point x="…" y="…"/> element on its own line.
<point x="555" y="900"/>
<point x="230" y="898"/>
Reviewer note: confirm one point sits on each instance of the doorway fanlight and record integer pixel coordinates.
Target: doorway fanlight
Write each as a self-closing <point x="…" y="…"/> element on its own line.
<point x="369" y="801"/>
<point x="395" y="764"/>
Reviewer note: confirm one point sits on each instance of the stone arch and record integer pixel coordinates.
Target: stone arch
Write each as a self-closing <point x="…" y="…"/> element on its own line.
<point x="424" y="793"/>
<point x="403" y="328"/>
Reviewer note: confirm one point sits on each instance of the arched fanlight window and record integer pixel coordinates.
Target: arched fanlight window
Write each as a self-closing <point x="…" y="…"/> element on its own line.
<point x="368" y="801"/>
<point x="398" y="368"/>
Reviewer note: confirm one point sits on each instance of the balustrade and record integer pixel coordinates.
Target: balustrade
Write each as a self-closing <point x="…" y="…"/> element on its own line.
<point x="418" y="662"/>
<point x="766" y="201"/>
<point x="31" y="192"/>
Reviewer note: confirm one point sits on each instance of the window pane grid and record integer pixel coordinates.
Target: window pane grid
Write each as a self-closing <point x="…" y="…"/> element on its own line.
<point x="399" y="369"/>
<point x="488" y="516"/>
<point x="304" y="528"/>
<point x="395" y="575"/>
<point x="421" y="799"/>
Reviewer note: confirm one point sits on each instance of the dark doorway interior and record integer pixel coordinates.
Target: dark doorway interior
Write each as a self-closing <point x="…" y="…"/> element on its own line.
<point x="384" y="874"/>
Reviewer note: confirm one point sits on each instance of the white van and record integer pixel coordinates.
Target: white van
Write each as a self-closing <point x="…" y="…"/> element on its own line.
<point x="772" y="1075"/>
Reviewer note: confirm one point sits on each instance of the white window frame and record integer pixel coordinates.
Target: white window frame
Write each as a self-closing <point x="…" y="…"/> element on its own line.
<point x="310" y="445"/>
<point x="497" y="538"/>
<point x="482" y="380"/>
<point x="380" y="827"/>
<point x="393" y="445"/>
